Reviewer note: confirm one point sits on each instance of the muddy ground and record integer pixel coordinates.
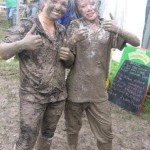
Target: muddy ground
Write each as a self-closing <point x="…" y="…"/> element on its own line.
<point x="130" y="132"/>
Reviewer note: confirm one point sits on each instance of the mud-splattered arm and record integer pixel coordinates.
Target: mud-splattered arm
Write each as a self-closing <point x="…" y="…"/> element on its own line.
<point x="128" y="37"/>
<point x="7" y="50"/>
<point x="111" y="26"/>
<point x="29" y="42"/>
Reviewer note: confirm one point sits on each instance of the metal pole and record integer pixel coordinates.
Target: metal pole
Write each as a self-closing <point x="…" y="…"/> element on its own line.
<point x="17" y="14"/>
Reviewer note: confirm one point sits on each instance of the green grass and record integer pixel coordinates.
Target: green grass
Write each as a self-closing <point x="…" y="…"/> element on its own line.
<point x="9" y="71"/>
<point x="114" y="68"/>
<point x="146" y="107"/>
<point x="3" y="26"/>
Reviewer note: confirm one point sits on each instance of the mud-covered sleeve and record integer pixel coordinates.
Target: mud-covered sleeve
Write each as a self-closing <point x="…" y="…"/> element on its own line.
<point x="117" y="42"/>
<point x="17" y="32"/>
<point x="69" y="34"/>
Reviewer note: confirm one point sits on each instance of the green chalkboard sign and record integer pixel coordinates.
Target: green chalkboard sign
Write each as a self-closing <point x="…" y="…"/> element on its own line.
<point x="138" y="55"/>
<point x="129" y="86"/>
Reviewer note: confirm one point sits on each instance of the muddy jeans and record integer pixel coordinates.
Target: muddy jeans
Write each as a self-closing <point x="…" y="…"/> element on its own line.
<point x="99" y="118"/>
<point x="35" y="117"/>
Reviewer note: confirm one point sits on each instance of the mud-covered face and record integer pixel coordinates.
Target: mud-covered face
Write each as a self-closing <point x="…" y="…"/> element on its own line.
<point x="55" y="9"/>
<point x="88" y="9"/>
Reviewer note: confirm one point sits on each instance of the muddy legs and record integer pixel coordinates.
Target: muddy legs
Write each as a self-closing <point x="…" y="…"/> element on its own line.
<point x="104" y="146"/>
<point x="43" y="143"/>
<point x="72" y="141"/>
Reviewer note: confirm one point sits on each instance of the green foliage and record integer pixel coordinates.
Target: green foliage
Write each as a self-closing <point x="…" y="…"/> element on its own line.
<point x="3" y="26"/>
<point x="146" y="107"/>
<point x="113" y="71"/>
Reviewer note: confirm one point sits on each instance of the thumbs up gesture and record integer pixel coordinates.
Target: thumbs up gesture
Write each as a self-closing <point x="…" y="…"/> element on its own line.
<point x="31" y="41"/>
<point x="111" y="25"/>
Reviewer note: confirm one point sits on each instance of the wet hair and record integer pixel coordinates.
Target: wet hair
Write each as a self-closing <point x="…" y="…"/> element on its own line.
<point x="76" y="5"/>
<point x="98" y="1"/>
<point x="41" y="6"/>
<point x="77" y="10"/>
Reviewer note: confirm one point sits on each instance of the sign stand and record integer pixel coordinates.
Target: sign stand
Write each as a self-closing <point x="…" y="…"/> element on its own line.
<point x="132" y="81"/>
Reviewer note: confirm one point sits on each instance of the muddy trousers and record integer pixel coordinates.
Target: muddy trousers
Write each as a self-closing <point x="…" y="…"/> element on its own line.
<point x="43" y="143"/>
<point x="35" y="117"/>
<point x="99" y="118"/>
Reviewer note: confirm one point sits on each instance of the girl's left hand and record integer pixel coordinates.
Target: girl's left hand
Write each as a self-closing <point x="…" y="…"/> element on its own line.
<point x="111" y="25"/>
